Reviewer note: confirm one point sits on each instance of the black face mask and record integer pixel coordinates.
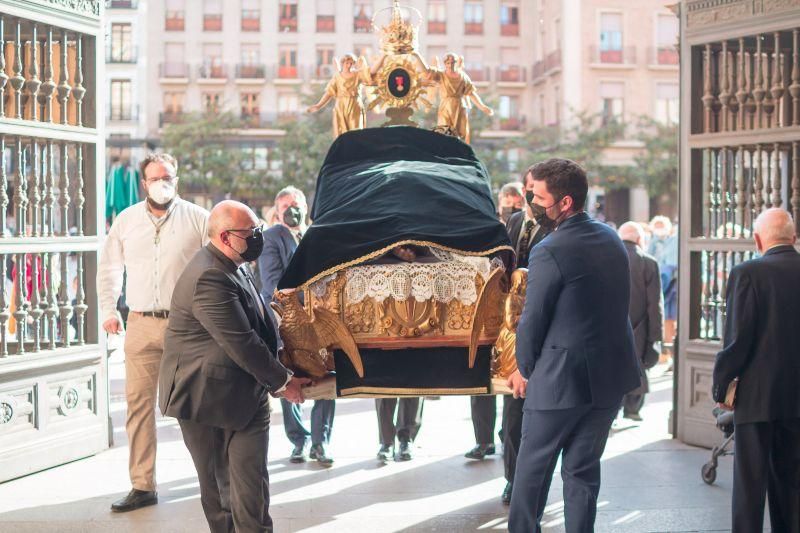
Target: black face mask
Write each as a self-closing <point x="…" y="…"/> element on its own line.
<point x="255" y="245"/>
<point x="540" y="216"/>
<point x="529" y="197"/>
<point x="293" y="216"/>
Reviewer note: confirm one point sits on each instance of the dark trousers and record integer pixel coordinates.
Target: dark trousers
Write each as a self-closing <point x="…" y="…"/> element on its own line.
<point x="409" y="419"/>
<point x="232" y="470"/>
<point x="767" y="464"/>
<point x="512" y="433"/>
<point x="484" y="414"/>
<point x="579" y="433"/>
<point x="321" y="422"/>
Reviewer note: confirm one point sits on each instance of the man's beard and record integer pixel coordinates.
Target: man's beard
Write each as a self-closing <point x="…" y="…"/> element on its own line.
<point x="159" y="207"/>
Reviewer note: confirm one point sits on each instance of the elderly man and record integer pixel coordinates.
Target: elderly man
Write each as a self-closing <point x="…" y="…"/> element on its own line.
<point x="762" y="351"/>
<point x="510" y="200"/>
<point x="646" y="313"/>
<point x="280" y="242"/>
<point x="220" y="365"/>
<point x="151" y="242"/>
<point x="574" y="350"/>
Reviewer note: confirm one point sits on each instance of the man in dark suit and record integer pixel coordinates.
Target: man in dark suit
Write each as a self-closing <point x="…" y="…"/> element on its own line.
<point x="574" y="351"/>
<point x="220" y="365"/>
<point x="762" y="350"/>
<point x="280" y="242"/>
<point x="646" y="313"/>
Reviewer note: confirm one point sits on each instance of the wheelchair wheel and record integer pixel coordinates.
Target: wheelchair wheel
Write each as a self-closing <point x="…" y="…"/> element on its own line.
<point x="709" y="473"/>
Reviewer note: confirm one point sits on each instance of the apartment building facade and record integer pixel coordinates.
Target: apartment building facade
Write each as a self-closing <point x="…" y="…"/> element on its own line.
<point x="257" y="57"/>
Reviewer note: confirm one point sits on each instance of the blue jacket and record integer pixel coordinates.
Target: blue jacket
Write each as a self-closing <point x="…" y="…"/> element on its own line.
<point x="279" y="245"/>
<point x="574" y="339"/>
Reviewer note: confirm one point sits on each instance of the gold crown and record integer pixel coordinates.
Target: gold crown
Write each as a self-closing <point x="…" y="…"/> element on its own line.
<point x="401" y="34"/>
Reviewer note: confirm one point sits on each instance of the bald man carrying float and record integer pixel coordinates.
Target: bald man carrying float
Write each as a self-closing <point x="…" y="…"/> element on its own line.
<point x="762" y="350"/>
<point x="220" y="365"/>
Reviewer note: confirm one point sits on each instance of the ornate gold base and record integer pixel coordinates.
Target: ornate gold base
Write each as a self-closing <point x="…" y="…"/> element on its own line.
<point x="325" y="389"/>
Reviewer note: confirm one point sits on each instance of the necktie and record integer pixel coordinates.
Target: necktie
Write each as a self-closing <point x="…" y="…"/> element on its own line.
<point x="254" y="292"/>
<point x="522" y="245"/>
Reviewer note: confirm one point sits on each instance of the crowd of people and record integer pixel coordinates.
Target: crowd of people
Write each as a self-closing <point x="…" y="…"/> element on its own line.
<point x="201" y="337"/>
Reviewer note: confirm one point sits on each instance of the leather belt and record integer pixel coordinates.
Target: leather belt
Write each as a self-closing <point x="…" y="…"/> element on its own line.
<point x="154" y="314"/>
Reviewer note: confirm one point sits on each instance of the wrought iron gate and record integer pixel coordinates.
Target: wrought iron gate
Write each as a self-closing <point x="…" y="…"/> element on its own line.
<point x="53" y="380"/>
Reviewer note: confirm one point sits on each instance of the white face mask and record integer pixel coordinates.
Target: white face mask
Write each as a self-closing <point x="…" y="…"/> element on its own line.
<point x="161" y="192"/>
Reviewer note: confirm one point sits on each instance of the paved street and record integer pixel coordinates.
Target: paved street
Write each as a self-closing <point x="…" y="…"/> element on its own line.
<point x="650" y="482"/>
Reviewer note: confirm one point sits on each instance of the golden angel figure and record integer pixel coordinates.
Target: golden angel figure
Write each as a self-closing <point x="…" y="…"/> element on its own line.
<point x="456" y="94"/>
<point x="345" y="88"/>
<point x="504" y="360"/>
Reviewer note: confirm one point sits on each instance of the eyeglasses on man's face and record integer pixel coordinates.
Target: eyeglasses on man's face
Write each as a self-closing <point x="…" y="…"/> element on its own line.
<point x="256" y="231"/>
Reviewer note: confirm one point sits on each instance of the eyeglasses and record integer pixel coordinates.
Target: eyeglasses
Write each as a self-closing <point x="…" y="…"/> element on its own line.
<point x="254" y="232"/>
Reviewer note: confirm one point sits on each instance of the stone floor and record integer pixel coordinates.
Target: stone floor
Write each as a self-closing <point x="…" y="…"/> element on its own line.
<point x="651" y="483"/>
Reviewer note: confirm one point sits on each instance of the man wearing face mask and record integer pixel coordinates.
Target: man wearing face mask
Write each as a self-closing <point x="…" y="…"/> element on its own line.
<point x="575" y="348"/>
<point x="280" y="242"/>
<point x="510" y="200"/>
<point x="151" y="242"/>
<point x="220" y="366"/>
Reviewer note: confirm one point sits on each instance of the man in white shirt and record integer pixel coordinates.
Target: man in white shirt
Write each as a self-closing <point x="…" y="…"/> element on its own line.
<point x="151" y="242"/>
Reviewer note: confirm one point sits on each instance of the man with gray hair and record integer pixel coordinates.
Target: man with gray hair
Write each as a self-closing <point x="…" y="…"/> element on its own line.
<point x="646" y="313"/>
<point x="510" y="200"/>
<point x="150" y="242"/>
<point x="758" y="373"/>
<point x="280" y="242"/>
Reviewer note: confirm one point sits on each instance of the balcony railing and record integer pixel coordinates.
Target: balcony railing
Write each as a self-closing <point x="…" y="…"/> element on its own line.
<point x="123" y="114"/>
<point x="173" y="69"/>
<point x="515" y="123"/>
<point x="552" y="60"/>
<point x="473" y="28"/>
<point x="509" y="30"/>
<point x="288" y="24"/>
<point x="251" y="20"/>
<point x="122" y="4"/>
<point x="437" y="26"/>
<point x="288" y="72"/>
<point x="212" y="22"/>
<point x="664" y="55"/>
<point x="323" y="72"/>
<point x="170" y="117"/>
<point x="174" y="21"/>
<point x="478" y="73"/>
<point x="538" y="70"/>
<point x="510" y="73"/>
<point x="362" y="25"/>
<point x="326" y="23"/>
<point x="621" y="56"/>
<point x="249" y="71"/>
<point x="127" y="55"/>
<point x="262" y="120"/>
<point x="212" y="71"/>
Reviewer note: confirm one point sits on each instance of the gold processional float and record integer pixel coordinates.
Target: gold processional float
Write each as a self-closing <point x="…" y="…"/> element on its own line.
<point x="467" y="302"/>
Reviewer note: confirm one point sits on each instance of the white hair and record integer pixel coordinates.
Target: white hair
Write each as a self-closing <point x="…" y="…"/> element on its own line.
<point x="293" y="191"/>
<point x="664" y="221"/>
<point x="631" y="231"/>
<point x="775" y="225"/>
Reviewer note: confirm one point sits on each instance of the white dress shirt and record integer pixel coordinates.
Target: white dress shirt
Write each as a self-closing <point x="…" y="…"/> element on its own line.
<point x="153" y="251"/>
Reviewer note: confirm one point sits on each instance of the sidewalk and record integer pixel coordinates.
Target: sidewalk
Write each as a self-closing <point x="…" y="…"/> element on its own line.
<point x="651" y="483"/>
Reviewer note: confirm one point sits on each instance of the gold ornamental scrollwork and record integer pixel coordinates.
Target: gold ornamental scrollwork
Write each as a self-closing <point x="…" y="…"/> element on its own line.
<point x="411" y="318"/>
<point x="390" y="90"/>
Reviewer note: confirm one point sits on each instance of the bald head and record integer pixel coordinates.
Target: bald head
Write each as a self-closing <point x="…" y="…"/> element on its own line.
<point x="225" y="216"/>
<point x="774" y="227"/>
<point x="631" y="232"/>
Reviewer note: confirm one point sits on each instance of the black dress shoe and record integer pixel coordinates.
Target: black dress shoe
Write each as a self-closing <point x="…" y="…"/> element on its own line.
<point x="385" y="453"/>
<point x="298" y="454"/>
<point x="405" y="453"/>
<point x="506" y="497"/>
<point x="318" y="452"/>
<point x="134" y="500"/>
<point x="480" y="451"/>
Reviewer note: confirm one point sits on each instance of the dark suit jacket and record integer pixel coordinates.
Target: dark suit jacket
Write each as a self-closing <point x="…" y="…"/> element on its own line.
<point x="279" y="245"/>
<point x="762" y="338"/>
<point x="574" y="339"/>
<point x="219" y="353"/>
<point x="514" y="227"/>
<point x="646" y="300"/>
